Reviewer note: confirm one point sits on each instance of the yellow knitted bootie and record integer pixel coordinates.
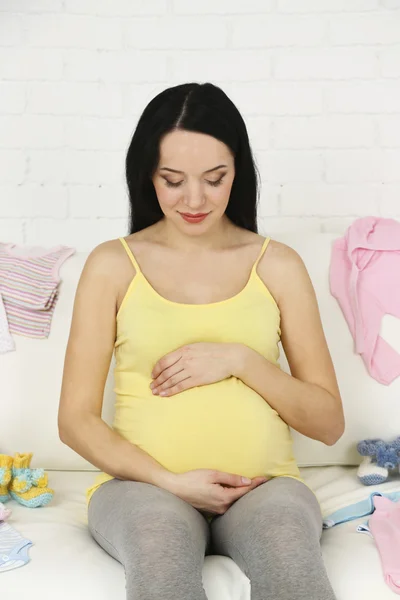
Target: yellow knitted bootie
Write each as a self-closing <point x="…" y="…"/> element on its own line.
<point x="29" y="486"/>
<point x="6" y="463"/>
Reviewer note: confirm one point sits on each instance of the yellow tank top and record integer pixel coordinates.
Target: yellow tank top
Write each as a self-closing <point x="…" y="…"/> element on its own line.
<point x="224" y="425"/>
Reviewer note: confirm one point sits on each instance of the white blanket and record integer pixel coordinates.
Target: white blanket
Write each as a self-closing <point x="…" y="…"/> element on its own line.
<point x="337" y="487"/>
<point x="63" y="549"/>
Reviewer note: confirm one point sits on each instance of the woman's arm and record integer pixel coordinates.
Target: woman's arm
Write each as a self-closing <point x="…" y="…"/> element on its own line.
<point x="87" y="362"/>
<point x="309" y="399"/>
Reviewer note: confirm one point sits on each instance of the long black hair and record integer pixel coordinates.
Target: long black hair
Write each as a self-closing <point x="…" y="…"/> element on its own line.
<point x="203" y="108"/>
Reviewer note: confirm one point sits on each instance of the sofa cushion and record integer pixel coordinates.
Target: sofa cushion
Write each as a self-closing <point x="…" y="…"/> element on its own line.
<point x="64" y="557"/>
<point x="30" y="377"/>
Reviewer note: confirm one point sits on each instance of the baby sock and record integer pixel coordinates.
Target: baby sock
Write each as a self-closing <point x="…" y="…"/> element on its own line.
<point x="5" y="476"/>
<point x="385" y="528"/>
<point x="29" y="486"/>
<point x="13" y="548"/>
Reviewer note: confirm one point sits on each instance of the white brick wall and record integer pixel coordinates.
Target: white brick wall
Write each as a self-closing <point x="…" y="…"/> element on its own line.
<point x="317" y="82"/>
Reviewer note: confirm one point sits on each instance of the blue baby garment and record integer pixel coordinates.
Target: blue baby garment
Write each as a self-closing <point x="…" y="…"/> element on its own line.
<point x="357" y="510"/>
<point x="13" y="548"/>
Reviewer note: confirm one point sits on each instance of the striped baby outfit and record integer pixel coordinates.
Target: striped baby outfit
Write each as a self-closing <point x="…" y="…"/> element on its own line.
<point x="13" y="548"/>
<point x="29" y="287"/>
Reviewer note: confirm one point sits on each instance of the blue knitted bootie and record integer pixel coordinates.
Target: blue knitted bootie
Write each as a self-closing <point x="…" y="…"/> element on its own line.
<point x="370" y="473"/>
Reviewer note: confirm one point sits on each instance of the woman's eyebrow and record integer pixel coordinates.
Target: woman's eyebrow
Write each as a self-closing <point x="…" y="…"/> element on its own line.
<point x="208" y="171"/>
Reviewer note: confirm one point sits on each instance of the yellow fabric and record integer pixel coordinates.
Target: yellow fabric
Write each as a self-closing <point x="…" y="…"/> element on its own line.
<point x="21" y="484"/>
<point x="22" y="461"/>
<point x="225" y="425"/>
<point x="6" y="463"/>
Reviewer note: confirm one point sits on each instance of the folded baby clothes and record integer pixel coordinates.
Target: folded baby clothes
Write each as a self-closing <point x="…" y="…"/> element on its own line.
<point x="385" y="528"/>
<point x="13" y="548"/>
<point x="7" y="343"/>
<point x="357" y="509"/>
<point x="29" y="284"/>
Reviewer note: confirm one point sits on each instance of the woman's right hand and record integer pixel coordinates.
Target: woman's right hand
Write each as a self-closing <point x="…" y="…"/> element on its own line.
<point x="212" y="491"/>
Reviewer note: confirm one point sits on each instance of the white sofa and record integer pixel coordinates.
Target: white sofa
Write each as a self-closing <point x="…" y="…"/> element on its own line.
<point x="65" y="562"/>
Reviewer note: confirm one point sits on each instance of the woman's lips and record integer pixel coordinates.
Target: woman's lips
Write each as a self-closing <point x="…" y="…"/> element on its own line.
<point x="190" y="219"/>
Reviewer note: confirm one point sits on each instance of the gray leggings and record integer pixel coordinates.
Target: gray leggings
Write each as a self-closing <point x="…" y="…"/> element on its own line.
<point x="272" y="533"/>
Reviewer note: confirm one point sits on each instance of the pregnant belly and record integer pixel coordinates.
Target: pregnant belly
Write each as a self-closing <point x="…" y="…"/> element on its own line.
<point x="224" y="425"/>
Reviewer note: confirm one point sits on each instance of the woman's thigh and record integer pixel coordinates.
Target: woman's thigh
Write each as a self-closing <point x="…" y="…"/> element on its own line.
<point x="160" y="539"/>
<point x="273" y="533"/>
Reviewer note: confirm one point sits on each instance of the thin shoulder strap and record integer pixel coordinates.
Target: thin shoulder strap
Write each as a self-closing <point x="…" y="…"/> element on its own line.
<point x="130" y="254"/>
<point x="263" y="248"/>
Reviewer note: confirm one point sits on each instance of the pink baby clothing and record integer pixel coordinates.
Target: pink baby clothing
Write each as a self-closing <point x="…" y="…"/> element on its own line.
<point x="384" y="524"/>
<point x="364" y="277"/>
<point x="29" y="286"/>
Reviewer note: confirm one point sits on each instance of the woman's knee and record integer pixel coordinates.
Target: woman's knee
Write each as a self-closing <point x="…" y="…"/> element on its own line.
<point x="281" y="504"/>
<point x="291" y="503"/>
<point x="135" y="517"/>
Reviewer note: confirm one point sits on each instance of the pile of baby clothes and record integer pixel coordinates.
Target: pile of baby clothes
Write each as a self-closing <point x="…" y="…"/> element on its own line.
<point x="28" y="486"/>
<point x="29" y="287"/>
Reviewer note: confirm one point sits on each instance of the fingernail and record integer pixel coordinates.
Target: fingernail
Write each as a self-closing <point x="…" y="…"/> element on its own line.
<point x="246" y="480"/>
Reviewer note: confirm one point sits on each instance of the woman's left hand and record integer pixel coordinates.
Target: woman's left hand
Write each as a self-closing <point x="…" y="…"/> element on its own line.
<point x="195" y="364"/>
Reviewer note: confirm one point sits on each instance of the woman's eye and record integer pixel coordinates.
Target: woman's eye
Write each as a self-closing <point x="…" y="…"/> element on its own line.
<point x="171" y="184"/>
<point x="215" y="183"/>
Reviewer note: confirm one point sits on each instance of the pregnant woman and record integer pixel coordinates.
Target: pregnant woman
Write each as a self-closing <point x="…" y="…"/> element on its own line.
<point x="194" y="303"/>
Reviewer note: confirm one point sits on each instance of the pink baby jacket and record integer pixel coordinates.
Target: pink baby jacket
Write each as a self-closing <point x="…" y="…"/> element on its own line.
<point x="385" y="528"/>
<point x="364" y="277"/>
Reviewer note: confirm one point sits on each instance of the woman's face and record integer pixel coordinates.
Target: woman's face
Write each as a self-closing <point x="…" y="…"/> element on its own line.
<point x="182" y="183"/>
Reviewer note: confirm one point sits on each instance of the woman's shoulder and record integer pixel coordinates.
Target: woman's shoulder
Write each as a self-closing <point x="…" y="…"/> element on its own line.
<point x="280" y="255"/>
<point x="110" y="258"/>
<point x="279" y="265"/>
<point x="108" y="267"/>
<point x="105" y="255"/>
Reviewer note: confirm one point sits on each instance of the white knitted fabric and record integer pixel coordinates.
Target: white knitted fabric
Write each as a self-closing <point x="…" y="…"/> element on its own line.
<point x="7" y="343"/>
<point x="370" y="473"/>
